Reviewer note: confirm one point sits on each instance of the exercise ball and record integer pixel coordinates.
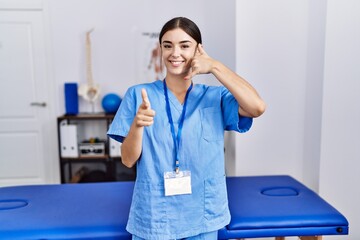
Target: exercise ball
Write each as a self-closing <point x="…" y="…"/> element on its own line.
<point x="111" y="102"/>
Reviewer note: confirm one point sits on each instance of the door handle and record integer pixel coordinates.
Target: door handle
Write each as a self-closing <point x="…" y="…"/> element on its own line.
<point x="38" y="104"/>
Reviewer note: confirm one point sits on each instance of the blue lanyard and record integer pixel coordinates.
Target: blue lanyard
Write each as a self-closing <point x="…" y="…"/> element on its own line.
<point x="177" y="138"/>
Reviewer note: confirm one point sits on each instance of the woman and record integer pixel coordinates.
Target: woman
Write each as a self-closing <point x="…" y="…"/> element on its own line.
<point x="173" y="130"/>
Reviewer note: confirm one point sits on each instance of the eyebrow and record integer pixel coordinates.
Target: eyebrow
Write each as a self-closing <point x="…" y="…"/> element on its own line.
<point x="185" y="41"/>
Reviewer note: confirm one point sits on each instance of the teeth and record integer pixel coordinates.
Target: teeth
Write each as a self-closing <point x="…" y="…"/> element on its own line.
<point x="176" y="63"/>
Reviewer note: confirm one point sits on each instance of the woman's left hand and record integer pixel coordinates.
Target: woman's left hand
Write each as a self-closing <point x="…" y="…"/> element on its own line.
<point x="200" y="64"/>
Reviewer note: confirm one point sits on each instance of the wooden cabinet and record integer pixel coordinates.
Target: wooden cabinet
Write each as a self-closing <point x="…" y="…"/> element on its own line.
<point x="85" y="150"/>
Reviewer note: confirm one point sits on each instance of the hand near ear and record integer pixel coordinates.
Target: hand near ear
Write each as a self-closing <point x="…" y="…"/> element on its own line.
<point x="145" y="115"/>
<point x="201" y="63"/>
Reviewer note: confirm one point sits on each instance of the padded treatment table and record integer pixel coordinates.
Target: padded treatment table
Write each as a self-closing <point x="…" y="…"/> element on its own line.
<point x="67" y="211"/>
<point x="261" y="206"/>
<point x="279" y="206"/>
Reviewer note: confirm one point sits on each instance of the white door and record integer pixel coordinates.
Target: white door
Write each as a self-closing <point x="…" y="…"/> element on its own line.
<point x="25" y="120"/>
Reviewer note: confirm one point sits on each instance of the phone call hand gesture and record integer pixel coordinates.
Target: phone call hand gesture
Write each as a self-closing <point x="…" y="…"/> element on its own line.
<point x="201" y="63"/>
<point x="145" y="115"/>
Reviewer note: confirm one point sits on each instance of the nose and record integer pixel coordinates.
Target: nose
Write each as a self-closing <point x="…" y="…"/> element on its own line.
<point x="176" y="51"/>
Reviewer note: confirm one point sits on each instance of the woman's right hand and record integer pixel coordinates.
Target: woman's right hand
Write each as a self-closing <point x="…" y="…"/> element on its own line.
<point x="145" y="115"/>
<point x="132" y="145"/>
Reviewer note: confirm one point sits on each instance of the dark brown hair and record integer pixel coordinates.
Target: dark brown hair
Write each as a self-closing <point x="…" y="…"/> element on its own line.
<point x="185" y="24"/>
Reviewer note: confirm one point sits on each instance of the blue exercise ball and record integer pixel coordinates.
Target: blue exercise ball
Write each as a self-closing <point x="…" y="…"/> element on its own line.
<point x="111" y="102"/>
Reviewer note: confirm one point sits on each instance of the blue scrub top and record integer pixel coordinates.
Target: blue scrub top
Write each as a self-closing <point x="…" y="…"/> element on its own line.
<point x="210" y="110"/>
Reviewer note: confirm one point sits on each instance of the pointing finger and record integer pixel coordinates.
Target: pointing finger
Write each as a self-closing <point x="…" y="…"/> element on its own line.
<point x="145" y="102"/>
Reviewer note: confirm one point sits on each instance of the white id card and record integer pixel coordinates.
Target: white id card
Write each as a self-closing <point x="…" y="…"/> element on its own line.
<point x="177" y="183"/>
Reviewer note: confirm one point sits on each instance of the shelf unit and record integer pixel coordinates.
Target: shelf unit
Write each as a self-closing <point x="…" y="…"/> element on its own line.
<point x="115" y="170"/>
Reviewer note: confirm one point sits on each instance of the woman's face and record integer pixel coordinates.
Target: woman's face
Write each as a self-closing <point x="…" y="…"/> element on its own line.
<point x="178" y="48"/>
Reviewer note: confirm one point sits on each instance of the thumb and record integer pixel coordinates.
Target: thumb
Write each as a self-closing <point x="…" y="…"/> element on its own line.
<point x="200" y="49"/>
<point x="145" y="99"/>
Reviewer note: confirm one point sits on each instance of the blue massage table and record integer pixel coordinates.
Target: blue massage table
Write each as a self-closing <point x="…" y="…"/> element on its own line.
<point x="261" y="206"/>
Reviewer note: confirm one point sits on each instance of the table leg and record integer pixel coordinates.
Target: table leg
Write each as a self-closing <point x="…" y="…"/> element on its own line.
<point x="311" y="238"/>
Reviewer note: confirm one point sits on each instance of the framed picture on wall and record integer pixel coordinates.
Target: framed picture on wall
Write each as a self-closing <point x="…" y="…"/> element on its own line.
<point x="148" y="54"/>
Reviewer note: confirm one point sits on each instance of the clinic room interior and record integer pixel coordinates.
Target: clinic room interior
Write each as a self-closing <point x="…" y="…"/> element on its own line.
<point x="302" y="56"/>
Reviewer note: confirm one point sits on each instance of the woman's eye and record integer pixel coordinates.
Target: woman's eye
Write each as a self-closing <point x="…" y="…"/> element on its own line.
<point x="185" y="46"/>
<point x="167" y="46"/>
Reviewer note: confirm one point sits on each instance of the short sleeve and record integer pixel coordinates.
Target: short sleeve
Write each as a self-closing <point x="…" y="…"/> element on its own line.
<point x="124" y="117"/>
<point x="232" y="119"/>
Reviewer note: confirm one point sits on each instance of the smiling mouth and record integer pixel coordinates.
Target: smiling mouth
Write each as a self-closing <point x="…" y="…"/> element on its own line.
<point x="176" y="63"/>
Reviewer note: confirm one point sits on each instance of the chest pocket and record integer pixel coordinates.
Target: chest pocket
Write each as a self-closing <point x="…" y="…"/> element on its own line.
<point x="212" y="124"/>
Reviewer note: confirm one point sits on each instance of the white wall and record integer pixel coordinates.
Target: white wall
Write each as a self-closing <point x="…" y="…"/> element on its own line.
<point x="340" y="141"/>
<point x="314" y="89"/>
<point x="311" y="127"/>
<point x="272" y="48"/>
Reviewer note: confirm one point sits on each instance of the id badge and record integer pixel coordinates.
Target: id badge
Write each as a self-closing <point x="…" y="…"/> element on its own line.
<point x="177" y="183"/>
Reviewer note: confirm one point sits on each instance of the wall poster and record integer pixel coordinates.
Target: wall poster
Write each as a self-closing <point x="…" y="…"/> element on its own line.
<point x="149" y="57"/>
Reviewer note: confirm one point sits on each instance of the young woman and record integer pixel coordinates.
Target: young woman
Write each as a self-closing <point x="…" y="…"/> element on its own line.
<point x="173" y="130"/>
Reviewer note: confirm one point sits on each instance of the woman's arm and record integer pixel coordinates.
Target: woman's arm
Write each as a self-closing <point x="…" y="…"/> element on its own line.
<point x="251" y="105"/>
<point x="131" y="147"/>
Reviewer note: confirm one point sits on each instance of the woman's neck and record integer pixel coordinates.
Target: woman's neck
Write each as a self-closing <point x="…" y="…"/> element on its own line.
<point x="178" y="86"/>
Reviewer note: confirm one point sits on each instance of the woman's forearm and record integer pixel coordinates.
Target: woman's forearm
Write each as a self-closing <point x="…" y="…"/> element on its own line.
<point x="251" y="105"/>
<point x="132" y="146"/>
